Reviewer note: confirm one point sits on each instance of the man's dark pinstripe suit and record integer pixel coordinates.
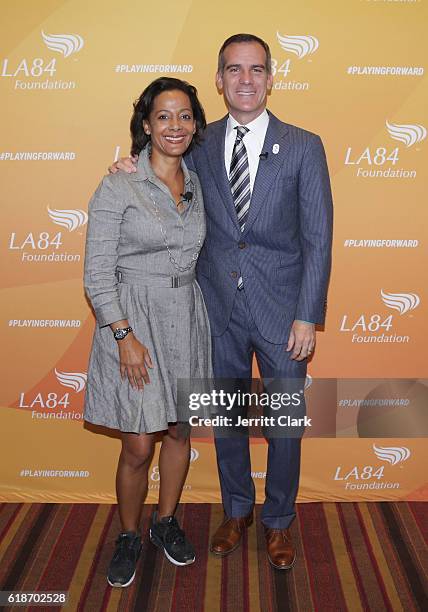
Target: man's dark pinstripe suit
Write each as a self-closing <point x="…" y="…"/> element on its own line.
<point x="284" y="257"/>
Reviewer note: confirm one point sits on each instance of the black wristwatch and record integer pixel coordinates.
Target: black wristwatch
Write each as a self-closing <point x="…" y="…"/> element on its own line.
<point x="120" y="334"/>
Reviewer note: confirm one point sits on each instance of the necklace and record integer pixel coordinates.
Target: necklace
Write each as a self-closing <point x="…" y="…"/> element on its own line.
<point x="171" y="257"/>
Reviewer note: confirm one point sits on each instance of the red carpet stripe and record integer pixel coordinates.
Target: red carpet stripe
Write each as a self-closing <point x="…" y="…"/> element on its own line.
<point x="100" y="548"/>
<point x="213" y="570"/>
<point x="285" y="581"/>
<point x="419" y="511"/>
<point x="162" y="595"/>
<point x="60" y="568"/>
<point x="267" y="586"/>
<point x="29" y="544"/>
<point x="371" y="594"/>
<point x="357" y="575"/>
<point x="374" y="565"/>
<point x="189" y="585"/>
<point x="15" y="537"/>
<point x="224" y="584"/>
<point x="301" y="586"/>
<point x="8" y="513"/>
<point x="147" y="564"/>
<point x="40" y="554"/>
<point x="414" y="579"/>
<point x="44" y="545"/>
<point x="148" y="569"/>
<point x="325" y="583"/>
<point x="282" y="590"/>
<point x="235" y="578"/>
<point x="391" y="557"/>
<point x="245" y="574"/>
<point x="163" y="574"/>
<point x="412" y="536"/>
<point x="100" y="592"/>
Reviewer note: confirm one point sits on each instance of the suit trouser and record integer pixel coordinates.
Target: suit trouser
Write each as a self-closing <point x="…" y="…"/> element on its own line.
<point x="232" y="358"/>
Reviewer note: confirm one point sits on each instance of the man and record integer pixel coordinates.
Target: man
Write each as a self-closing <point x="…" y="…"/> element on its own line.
<point x="263" y="271"/>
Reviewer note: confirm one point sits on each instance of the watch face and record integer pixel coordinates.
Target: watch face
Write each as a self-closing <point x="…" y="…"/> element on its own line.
<point x="119" y="334"/>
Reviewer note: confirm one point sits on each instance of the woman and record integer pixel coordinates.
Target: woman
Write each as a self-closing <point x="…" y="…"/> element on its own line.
<point x="144" y="235"/>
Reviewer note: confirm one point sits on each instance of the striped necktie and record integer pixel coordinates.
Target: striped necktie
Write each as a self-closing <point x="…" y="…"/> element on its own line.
<point x="239" y="178"/>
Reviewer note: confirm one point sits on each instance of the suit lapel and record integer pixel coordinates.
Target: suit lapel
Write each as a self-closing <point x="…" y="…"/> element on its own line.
<point x="215" y="154"/>
<point x="268" y="168"/>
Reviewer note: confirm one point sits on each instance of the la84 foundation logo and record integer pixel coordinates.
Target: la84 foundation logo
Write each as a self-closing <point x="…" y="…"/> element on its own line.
<point x="48" y="246"/>
<point x="293" y="52"/>
<point x="58" y="396"/>
<point x="382" y="326"/>
<point x="37" y="69"/>
<point x="374" y="475"/>
<point x="384" y="160"/>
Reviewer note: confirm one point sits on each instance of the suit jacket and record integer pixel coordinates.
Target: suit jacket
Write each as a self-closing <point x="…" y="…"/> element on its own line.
<point x="284" y="253"/>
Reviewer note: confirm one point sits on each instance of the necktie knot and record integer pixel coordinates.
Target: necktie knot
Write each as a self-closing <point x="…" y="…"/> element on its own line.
<point x="241" y="130"/>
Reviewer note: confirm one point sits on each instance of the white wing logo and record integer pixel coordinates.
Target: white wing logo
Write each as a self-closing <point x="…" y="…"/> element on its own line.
<point x="67" y="44"/>
<point x="194" y="454"/>
<point x="391" y="454"/>
<point x="70" y="219"/>
<point x="403" y="302"/>
<point x="74" y="380"/>
<point x="410" y="134"/>
<point x="299" y="45"/>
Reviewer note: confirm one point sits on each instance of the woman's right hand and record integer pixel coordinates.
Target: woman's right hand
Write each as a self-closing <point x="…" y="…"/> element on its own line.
<point x="134" y="360"/>
<point x="127" y="164"/>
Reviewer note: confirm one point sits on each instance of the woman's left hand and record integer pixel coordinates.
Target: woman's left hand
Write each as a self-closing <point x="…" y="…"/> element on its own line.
<point x="134" y="360"/>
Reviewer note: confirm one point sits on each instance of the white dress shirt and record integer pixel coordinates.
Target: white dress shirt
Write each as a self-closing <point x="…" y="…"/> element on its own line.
<point x="253" y="141"/>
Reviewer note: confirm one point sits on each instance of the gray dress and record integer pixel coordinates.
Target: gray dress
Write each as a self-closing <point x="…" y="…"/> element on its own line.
<point x="129" y="275"/>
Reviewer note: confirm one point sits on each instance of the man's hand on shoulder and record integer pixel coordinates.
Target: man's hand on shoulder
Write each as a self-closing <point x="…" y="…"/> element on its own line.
<point x="301" y="340"/>
<point x="126" y="164"/>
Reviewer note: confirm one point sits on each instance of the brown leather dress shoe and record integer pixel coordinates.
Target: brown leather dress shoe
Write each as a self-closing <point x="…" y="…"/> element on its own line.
<point x="228" y="535"/>
<point x="280" y="550"/>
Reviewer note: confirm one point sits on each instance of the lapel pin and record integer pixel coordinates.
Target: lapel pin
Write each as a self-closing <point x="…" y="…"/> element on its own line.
<point x="275" y="149"/>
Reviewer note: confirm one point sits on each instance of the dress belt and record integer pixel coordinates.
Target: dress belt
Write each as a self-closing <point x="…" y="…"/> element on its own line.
<point x="128" y="278"/>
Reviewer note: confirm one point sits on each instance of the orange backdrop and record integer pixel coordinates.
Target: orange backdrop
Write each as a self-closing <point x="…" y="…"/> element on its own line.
<point x="352" y="72"/>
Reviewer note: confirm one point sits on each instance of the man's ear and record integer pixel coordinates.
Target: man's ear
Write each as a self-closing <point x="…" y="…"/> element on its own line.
<point x="219" y="80"/>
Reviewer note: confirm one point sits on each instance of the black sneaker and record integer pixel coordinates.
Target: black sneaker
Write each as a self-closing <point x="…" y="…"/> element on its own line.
<point x="166" y="534"/>
<point x="121" y="571"/>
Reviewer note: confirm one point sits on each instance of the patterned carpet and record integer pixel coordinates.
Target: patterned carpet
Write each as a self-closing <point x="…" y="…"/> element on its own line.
<point x="349" y="557"/>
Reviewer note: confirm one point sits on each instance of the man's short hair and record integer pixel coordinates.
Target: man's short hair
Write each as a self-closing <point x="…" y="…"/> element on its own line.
<point x="244" y="38"/>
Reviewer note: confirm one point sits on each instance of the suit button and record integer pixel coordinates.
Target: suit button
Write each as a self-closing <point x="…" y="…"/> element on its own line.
<point x="242" y="245"/>
<point x="234" y="274"/>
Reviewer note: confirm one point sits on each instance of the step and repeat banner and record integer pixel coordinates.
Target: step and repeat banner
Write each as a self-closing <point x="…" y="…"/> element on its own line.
<point x="353" y="72"/>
